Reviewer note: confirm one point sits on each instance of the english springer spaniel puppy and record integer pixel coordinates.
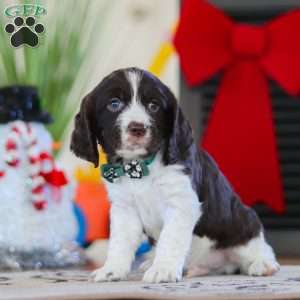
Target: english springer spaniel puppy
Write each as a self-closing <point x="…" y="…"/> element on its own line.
<point x="159" y="183"/>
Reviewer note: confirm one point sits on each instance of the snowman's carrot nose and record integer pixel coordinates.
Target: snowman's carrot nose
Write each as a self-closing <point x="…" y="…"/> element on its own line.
<point x="56" y="146"/>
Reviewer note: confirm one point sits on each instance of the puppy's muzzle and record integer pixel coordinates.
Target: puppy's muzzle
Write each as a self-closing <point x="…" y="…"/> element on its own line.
<point x="137" y="130"/>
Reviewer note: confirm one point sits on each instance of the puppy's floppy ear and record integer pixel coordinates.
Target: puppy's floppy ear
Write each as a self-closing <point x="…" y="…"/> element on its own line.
<point x="180" y="136"/>
<point x="84" y="140"/>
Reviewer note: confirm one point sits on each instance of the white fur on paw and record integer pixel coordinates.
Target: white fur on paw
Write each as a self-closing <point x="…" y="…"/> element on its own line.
<point x="148" y="259"/>
<point x="263" y="268"/>
<point x="145" y="265"/>
<point x="163" y="273"/>
<point x="109" y="274"/>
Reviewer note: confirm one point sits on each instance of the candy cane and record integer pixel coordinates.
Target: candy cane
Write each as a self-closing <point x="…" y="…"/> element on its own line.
<point x="47" y="162"/>
<point x="21" y="136"/>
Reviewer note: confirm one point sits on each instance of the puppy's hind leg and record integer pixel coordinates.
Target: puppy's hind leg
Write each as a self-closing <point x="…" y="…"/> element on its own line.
<point x="203" y="258"/>
<point x="256" y="258"/>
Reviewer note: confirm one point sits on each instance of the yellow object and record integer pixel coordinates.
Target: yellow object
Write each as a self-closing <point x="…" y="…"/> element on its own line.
<point x="161" y="58"/>
<point x="102" y="156"/>
<point x="90" y="173"/>
<point x="164" y="53"/>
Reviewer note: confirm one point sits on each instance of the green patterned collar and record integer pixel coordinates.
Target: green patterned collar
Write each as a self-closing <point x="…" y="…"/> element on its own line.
<point x="135" y="169"/>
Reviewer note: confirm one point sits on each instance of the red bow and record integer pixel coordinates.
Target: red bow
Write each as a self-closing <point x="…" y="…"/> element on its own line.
<point x="240" y="133"/>
<point x="51" y="175"/>
<point x="55" y="177"/>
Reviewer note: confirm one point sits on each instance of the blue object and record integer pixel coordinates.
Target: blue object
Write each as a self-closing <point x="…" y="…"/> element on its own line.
<point x="144" y="248"/>
<point x="82" y="227"/>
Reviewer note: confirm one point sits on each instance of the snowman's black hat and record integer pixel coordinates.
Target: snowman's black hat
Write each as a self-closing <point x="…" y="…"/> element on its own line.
<point x="19" y="102"/>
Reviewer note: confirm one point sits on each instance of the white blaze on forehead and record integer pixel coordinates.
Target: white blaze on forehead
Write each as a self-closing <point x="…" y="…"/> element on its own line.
<point x="135" y="112"/>
<point x="134" y="79"/>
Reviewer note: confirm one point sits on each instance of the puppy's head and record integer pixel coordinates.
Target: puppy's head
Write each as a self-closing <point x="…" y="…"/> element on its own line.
<point x="131" y="114"/>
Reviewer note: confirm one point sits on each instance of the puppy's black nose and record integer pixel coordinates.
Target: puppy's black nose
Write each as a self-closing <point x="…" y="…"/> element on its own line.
<point x="137" y="129"/>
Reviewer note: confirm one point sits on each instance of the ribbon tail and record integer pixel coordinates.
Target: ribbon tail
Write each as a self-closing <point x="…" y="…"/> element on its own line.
<point x="240" y="136"/>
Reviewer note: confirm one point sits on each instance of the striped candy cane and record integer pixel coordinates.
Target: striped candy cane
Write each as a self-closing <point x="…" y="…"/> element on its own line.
<point x="21" y="138"/>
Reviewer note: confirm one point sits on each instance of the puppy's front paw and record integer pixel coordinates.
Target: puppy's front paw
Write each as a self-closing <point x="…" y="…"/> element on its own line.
<point x="161" y="273"/>
<point x="116" y="273"/>
<point x="145" y="265"/>
<point x="263" y="268"/>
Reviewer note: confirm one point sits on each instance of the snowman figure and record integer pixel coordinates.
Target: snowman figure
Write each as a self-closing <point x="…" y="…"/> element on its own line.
<point x="37" y="223"/>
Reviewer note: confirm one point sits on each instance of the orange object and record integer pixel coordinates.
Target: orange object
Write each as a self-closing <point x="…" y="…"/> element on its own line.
<point x="56" y="146"/>
<point x="92" y="199"/>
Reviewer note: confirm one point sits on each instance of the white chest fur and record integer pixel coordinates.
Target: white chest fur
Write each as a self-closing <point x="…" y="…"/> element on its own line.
<point x="152" y="195"/>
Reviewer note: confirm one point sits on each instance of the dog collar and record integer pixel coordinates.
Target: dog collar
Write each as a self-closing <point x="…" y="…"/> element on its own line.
<point x="135" y="169"/>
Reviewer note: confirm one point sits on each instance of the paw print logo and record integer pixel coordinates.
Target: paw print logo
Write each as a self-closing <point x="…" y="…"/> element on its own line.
<point x="24" y="33"/>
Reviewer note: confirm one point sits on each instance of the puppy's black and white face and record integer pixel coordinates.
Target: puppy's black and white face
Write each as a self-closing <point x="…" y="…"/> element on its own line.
<point x="132" y="114"/>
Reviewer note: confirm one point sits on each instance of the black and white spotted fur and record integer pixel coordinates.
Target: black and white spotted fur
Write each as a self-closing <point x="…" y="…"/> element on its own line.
<point x="185" y="205"/>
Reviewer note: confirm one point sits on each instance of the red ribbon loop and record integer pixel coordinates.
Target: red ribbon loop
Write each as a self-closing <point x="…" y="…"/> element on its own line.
<point x="240" y="133"/>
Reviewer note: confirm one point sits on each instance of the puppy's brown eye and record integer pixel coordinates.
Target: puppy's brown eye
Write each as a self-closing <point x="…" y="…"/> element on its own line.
<point x="153" y="107"/>
<point x="115" y="105"/>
